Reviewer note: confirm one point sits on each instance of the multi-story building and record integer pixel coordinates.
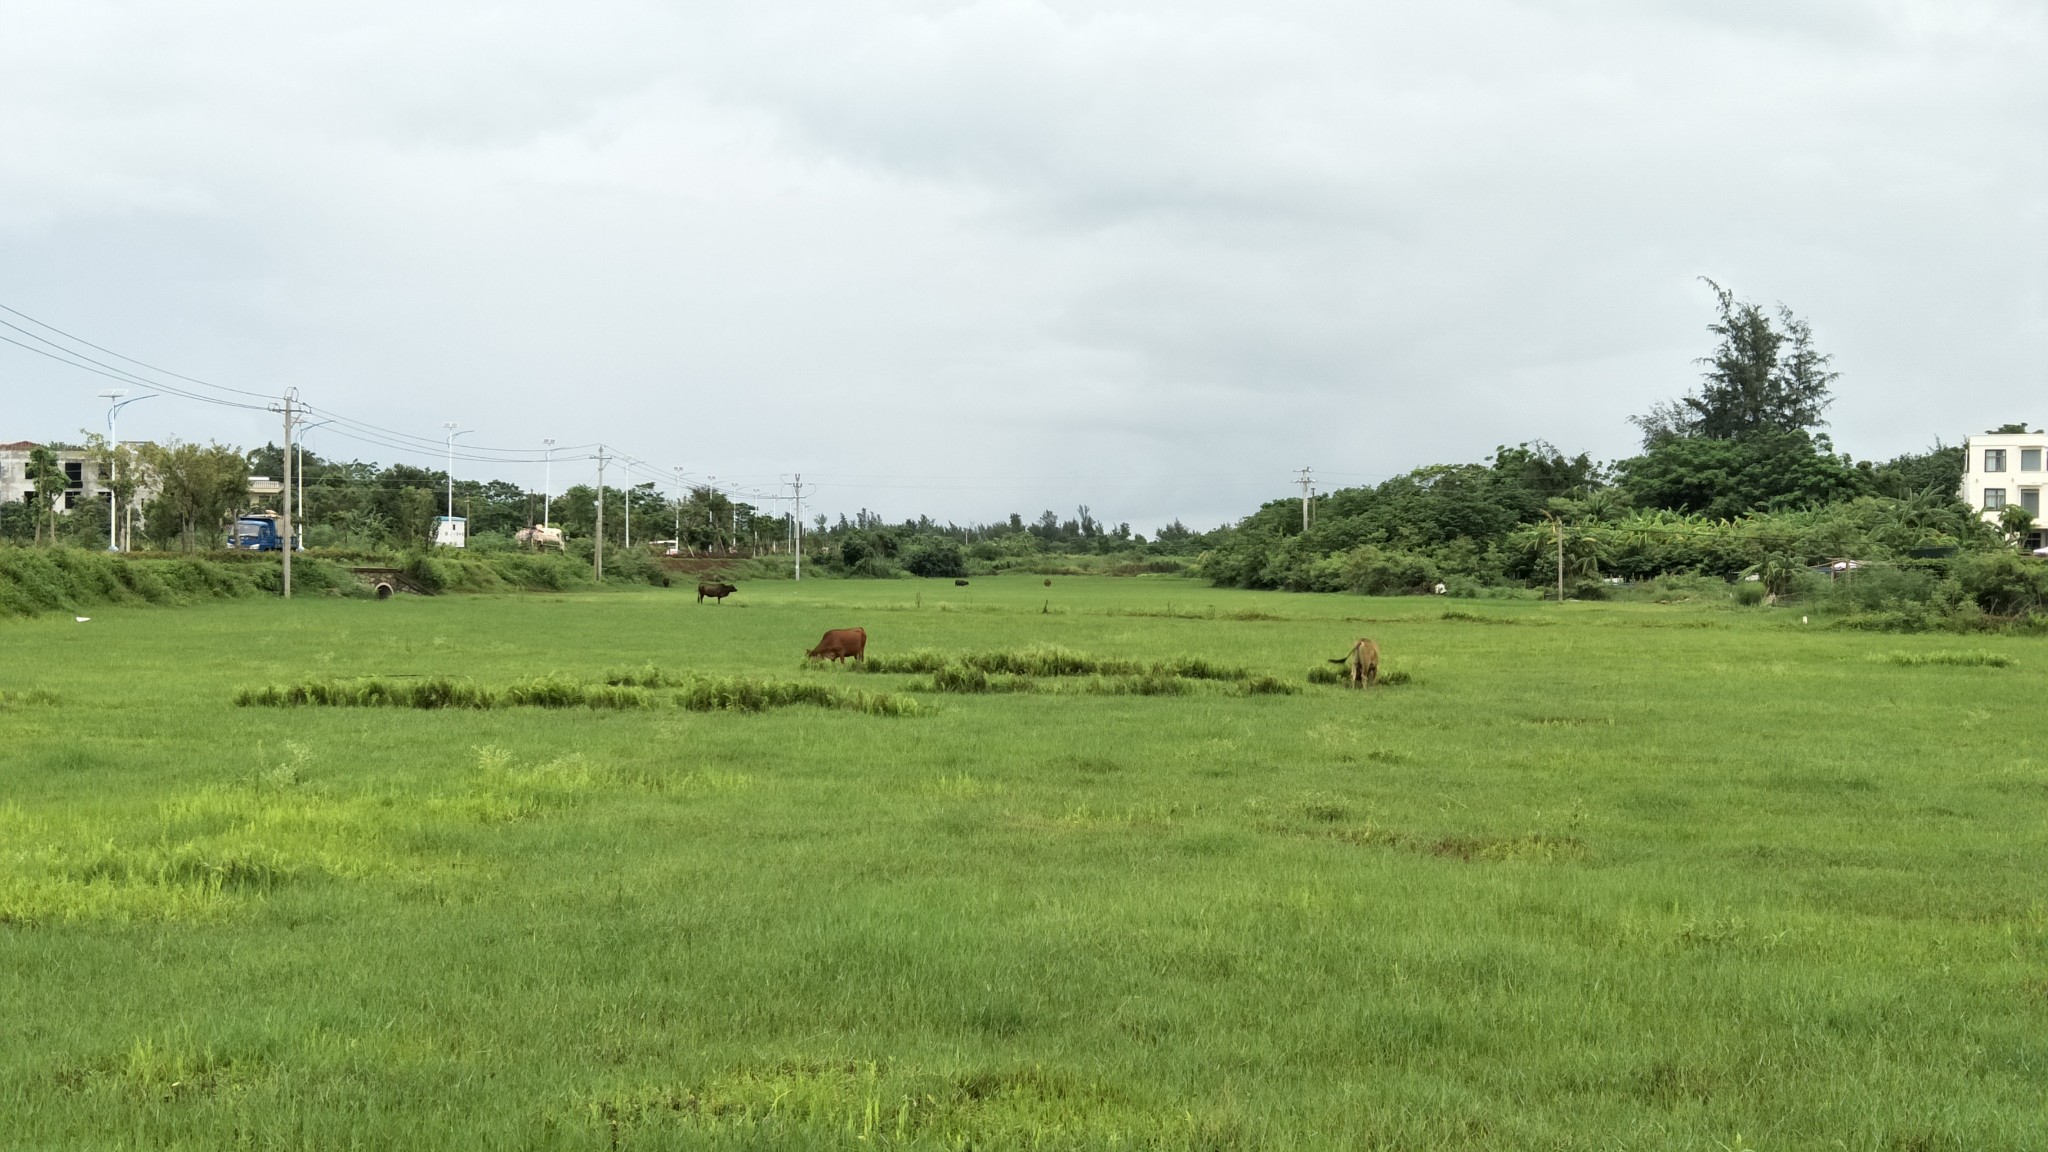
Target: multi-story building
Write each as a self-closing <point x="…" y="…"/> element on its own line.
<point x="2007" y="468"/>
<point x="81" y="475"/>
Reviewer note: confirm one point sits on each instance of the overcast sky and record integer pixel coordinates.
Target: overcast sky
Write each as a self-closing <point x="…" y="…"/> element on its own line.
<point x="975" y="258"/>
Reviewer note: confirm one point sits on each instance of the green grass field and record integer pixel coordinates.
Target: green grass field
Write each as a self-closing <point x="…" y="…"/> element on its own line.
<point x="1596" y="877"/>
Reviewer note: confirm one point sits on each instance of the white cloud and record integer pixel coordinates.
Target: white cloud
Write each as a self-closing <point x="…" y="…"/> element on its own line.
<point x="1015" y="254"/>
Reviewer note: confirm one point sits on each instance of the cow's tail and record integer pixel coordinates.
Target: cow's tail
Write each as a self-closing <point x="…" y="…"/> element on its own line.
<point x="1341" y="660"/>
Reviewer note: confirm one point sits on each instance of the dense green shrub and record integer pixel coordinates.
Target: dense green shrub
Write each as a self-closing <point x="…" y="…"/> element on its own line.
<point x="2003" y="583"/>
<point x="935" y="556"/>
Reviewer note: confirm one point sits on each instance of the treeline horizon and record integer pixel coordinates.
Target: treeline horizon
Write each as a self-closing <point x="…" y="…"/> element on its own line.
<point x="1733" y="479"/>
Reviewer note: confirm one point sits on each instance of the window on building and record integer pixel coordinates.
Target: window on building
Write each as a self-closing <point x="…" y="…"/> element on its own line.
<point x="2030" y="459"/>
<point x="2030" y="499"/>
<point x="1994" y="459"/>
<point x="1994" y="499"/>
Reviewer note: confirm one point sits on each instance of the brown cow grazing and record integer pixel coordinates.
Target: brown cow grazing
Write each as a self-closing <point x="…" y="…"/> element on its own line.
<point x="840" y="643"/>
<point x="1362" y="662"/>
<point x="717" y="592"/>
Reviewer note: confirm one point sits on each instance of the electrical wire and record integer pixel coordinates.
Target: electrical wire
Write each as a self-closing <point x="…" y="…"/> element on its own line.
<point x="119" y="356"/>
<point x="428" y="447"/>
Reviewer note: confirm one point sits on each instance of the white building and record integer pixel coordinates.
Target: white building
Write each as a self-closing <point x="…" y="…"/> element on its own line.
<point x="2004" y="468"/>
<point x="81" y="475"/>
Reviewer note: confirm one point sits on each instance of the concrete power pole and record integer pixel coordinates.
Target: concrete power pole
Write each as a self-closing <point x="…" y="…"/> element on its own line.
<point x="799" y="519"/>
<point x="597" y="556"/>
<point x="1308" y="482"/>
<point x="285" y="467"/>
<point x="1557" y="526"/>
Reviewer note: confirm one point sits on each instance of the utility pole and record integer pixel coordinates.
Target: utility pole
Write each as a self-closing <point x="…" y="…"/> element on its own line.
<point x="799" y="520"/>
<point x="547" y="484"/>
<point x="597" y="557"/>
<point x="627" y="496"/>
<point x="1557" y="525"/>
<point x="285" y="466"/>
<point x="679" y="509"/>
<point x="1308" y="482"/>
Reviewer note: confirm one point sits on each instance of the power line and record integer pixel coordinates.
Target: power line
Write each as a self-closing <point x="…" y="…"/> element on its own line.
<point x="119" y="356"/>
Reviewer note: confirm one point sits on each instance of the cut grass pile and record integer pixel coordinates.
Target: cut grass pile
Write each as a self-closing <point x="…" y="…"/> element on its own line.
<point x="697" y="694"/>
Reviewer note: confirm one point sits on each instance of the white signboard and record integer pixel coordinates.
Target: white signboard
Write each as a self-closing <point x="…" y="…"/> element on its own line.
<point x="450" y="531"/>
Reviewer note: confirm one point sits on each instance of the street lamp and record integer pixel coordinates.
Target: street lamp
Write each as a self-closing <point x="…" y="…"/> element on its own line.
<point x="549" y="484"/>
<point x="452" y="434"/>
<point x="114" y="405"/>
<point x="300" y="474"/>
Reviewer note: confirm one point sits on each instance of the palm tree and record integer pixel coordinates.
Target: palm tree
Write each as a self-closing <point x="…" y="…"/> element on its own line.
<point x="2015" y="521"/>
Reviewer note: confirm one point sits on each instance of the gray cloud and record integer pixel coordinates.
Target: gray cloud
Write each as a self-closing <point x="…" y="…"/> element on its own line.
<point x="980" y="257"/>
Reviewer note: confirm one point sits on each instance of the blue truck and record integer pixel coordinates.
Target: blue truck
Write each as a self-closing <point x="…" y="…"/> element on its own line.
<point x="259" y="532"/>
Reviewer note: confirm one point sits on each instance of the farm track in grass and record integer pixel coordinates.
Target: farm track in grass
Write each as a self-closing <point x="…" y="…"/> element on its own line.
<point x="1608" y="876"/>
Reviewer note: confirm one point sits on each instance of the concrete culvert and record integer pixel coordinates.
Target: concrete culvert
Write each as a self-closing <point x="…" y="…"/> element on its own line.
<point x="384" y="590"/>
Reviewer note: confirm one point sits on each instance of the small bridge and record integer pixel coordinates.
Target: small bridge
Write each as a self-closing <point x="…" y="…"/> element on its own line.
<point x="385" y="581"/>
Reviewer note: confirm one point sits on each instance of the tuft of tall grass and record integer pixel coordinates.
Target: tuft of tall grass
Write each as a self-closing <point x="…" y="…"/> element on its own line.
<point x="1197" y="668"/>
<point x="648" y="675"/>
<point x="1330" y="674"/>
<point x="754" y="694"/>
<point x="31" y="698"/>
<point x="974" y="681"/>
<point x="1046" y="660"/>
<point x="699" y="694"/>
<point x="1971" y="659"/>
<point x="918" y="660"/>
<point x="371" y="692"/>
<point x="1144" y="684"/>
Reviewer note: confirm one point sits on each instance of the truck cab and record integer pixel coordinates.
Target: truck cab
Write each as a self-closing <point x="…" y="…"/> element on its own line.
<point x="259" y="532"/>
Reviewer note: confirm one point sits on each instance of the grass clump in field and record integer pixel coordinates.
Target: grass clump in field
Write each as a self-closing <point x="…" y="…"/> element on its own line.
<point x="699" y="694"/>
<point x="1024" y="670"/>
<point x="1044" y="660"/>
<point x="756" y="694"/>
<point x="1328" y="674"/>
<point x="31" y="698"/>
<point x="1973" y="659"/>
<point x="369" y="692"/>
<point x="968" y="680"/>
<point x="917" y="660"/>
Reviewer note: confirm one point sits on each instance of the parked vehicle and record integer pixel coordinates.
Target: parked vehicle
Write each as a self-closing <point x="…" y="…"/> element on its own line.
<point x="259" y="532"/>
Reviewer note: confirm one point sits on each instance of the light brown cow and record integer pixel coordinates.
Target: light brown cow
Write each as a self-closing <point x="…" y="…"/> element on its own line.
<point x="841" y="643"/>
<point x="1362" y="663"/>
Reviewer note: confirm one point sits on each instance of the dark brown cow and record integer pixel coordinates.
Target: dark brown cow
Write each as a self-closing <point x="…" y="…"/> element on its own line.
<point x="717" y="592"/>
<point x="959" y="583"/>
<point x="840" y="643"/>
<point x="1362" y="663"/>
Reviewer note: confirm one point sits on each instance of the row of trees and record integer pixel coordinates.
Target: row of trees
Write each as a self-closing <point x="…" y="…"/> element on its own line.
<point x="1732" y="479"/>
<point x="192" y="491"/>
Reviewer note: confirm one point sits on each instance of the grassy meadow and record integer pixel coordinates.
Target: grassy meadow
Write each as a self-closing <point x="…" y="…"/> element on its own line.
<point x="1596" y="876"/>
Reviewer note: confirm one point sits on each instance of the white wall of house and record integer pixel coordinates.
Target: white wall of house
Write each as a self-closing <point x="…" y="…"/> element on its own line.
<point x="2006" y="468"/>
<point x="15" y="486"/>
